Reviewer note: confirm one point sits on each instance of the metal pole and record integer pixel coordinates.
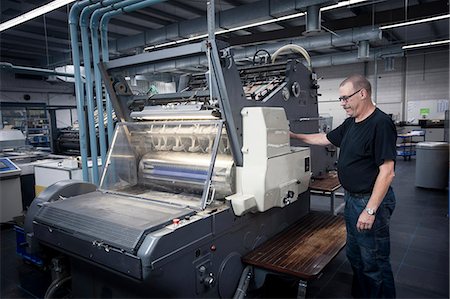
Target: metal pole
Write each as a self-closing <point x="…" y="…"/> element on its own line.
<point x="219" y="83"/>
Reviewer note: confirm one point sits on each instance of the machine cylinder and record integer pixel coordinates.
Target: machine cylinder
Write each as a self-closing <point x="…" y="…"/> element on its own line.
<point x="186" y="171"/>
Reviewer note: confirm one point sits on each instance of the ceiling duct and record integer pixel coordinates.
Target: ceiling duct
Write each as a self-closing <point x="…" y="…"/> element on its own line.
<point x="189" y="63"/>
<point x="241" y="15"/>
<point x="352" y="57"/>
<point x="348" y="37"/>
<point x="313" y="16"/>
<point x="8" y="67"/>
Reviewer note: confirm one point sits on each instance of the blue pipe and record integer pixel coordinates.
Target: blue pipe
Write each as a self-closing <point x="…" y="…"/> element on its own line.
<point x="105" y="46"/>
<point x="95" y="17"/>
<point x="73" y="22"/>
<point x="89" y="87"/>
<point x="89" y="91"/>
<point x="98" y="93"/>
<point x="105" y="58"/>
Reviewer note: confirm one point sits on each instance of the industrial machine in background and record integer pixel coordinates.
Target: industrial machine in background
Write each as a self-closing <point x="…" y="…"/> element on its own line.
<point x="194" y="180"/>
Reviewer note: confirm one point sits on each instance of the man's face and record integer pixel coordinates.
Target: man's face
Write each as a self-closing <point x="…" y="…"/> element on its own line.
<point x="350" y="99"/>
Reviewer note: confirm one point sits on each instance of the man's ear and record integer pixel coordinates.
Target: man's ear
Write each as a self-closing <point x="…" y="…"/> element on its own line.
<point x="364" y="93"/>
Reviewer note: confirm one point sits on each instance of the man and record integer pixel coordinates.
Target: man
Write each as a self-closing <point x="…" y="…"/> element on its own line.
<point x="367" y="141"/>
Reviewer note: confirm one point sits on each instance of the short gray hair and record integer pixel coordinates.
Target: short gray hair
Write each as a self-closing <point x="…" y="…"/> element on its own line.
<point x="358" y="82"/>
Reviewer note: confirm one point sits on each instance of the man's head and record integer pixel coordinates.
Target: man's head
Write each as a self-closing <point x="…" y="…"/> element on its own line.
<point x="355" y="95"/>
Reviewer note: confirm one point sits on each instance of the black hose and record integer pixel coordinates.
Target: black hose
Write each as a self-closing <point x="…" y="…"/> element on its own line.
<point x="55" y="285"/>
<point x="242" y="287"/>
<point x="269" y="60"/>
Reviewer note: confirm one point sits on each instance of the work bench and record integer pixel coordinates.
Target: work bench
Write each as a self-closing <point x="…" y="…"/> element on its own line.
<point x="303" y="250"/>
<point x="327" y="185"/>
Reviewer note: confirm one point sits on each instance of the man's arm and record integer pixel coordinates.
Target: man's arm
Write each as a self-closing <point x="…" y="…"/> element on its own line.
<point x="314" y="139"/>
<point x="382" y="183"/>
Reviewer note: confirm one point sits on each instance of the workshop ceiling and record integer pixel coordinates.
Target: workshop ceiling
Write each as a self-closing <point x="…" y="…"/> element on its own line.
<point x="44" y="42"/>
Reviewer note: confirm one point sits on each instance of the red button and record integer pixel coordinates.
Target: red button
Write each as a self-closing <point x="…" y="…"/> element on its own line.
<point x="176" y="221"/>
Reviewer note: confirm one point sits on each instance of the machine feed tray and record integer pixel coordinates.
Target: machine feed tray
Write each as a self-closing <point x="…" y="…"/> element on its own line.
<point x="111" y="219"/>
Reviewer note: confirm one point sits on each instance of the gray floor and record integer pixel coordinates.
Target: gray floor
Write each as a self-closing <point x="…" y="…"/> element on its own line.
<point x="419" y="239"/>
<point x="419" y="243"/>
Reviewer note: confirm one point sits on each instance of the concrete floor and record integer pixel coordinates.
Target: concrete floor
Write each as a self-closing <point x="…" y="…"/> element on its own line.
<point x="419" y="246"/>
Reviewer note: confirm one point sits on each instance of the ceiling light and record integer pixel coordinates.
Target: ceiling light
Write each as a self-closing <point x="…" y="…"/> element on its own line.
<point x="428" y="44"/>
<point x="34" y="13"/>
<point x="342" y="4"/>
<point x="415" y="22"/>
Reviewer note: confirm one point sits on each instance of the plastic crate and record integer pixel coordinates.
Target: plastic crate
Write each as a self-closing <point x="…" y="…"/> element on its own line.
<point x="21" y="247"/>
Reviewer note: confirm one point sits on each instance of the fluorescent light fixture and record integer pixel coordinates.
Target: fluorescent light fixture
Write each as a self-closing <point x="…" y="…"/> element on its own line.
<point x="342" y="4"/>
<point x="415" y="22"/>
<point x="428" y="44"/>
<point x="243" y="27"/>
<point x="34" y="13"/>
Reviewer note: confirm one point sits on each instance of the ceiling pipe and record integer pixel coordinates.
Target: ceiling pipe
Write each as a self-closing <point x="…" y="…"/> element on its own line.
<point x="105" y="15"/>
<point x="6" y="66"/>
<point x="95" y="12"/>
<point x="93" y="26"/>
<point x="316" y="61"/>
<point x="84" y="17"/>
<point x="73" y="27"/>
<point x="363" y="50"/>
<point x="243" y="15"/>
<point x="352" y="57"/>
<point x="84" y="21"/>
<point x="313" y="16"/>
<point x="346" y="37"/>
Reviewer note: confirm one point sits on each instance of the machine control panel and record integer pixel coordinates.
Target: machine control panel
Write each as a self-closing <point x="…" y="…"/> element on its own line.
<point x="8" y="168"/>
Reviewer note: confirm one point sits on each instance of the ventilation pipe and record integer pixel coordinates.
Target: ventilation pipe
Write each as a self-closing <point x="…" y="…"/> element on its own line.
<point x="313" y="16"/>
<point x="316" y="61"/>
<point x="5" y="66"/>
<point x="363" y="50"/>
<point x="84" y="17"/>
<point x="347" y="37"/>
<point x="89" y="94"/>
<point x="351" y="57"/>
<point x="73" y="24"/>
<point x="99" y="11"/>
<point x="106" y="14"/>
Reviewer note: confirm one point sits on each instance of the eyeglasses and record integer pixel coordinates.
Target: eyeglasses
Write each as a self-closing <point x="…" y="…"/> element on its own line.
<point x="345" y="98"/>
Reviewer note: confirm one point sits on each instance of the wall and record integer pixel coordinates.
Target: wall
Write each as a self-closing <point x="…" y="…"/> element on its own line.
<point x="416" y="77"/>
<point x="40" y="91"/>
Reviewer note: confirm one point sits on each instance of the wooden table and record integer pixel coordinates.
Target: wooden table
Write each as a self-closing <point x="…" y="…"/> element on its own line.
<point x="327" y="184"/>
<point x="302" y="250"/>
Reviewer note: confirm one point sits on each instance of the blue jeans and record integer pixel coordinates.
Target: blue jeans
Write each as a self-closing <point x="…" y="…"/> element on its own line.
<point x="368" y="251"/>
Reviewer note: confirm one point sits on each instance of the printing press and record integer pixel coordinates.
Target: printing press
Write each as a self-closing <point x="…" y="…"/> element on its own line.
<point x="194" y="180"/>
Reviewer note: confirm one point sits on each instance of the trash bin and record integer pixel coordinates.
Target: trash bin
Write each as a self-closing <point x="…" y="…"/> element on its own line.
<point x="432" y="165"/>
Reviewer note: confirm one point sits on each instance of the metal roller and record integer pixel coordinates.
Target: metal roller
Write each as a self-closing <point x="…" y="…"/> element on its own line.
<point x="186" y="172"/>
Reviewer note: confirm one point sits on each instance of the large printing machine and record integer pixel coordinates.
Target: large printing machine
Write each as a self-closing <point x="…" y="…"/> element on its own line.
<point x="188" y="187"/>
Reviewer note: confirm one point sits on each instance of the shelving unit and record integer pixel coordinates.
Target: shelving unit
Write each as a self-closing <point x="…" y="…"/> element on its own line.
<point x="406" y="143"/>
<point x="31" y="119"/>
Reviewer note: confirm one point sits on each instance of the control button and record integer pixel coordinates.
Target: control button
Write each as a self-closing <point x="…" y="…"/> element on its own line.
<point x="176" y="221"/>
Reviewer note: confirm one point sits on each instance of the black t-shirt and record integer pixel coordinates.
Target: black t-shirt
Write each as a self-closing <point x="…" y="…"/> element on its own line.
<point x="364" y="146"/>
